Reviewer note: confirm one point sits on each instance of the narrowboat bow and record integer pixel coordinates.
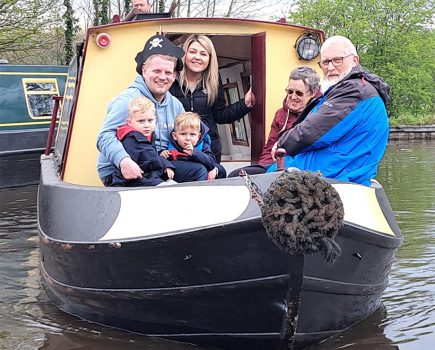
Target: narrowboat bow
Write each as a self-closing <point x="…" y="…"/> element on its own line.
<point x="132" y="258"/>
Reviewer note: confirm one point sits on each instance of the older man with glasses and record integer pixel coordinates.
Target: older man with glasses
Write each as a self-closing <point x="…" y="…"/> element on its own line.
<point x="343" y="133"/>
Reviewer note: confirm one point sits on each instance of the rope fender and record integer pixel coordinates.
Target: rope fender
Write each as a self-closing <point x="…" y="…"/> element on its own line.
<point x="302" y="214"/>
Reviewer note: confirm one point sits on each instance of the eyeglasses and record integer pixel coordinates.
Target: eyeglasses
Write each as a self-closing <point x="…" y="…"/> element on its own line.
<point x="290" y="92"/>
<point x="336" y="61"/>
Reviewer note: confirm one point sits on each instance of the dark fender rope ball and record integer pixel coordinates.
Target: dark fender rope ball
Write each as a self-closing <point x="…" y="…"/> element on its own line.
<point x="302" y="214"/>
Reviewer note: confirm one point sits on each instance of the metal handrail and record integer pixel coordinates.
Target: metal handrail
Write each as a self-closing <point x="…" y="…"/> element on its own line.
<point x="57" y="100"/>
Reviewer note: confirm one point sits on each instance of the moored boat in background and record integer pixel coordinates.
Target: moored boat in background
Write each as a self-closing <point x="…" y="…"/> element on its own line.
<point x="26" y="107"/>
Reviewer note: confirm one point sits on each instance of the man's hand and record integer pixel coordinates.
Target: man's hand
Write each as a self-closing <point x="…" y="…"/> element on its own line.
<point x="273" y="150"/>
<point x="129" y="169"/>
<point x="250" y="99"/>
<point x="277" y="153"/>
<point x="170" y="173"/>
<point x="165" y="153"/>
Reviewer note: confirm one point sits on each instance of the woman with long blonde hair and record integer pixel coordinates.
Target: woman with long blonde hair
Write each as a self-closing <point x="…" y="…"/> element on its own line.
<point x="200" y="89"/>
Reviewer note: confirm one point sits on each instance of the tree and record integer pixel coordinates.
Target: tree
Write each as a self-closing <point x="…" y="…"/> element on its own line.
<point x="161" y="6"/>
<point x="101" y="12"/>
<point x="227" y="8"/>
<point x="394" y="38"/>
<point x="70" y="30"/>
<point x="105" y="12"/>
<point x="96" y="4"/>
<point x="26" y="27"/>
<point x="127" y="7"/>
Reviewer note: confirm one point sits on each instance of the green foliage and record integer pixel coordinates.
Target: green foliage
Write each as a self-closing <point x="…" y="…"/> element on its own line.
<point x="70" y="29"/>
<point x="28" y="28"/>
<point x="105" y="8"/>
<point x="411" y="119"/>
<point x="127" y="7"/>
<point x="394" y="39"/>
<point x="96" y="6"/>
<point x="101" y="12"/>
<point x="161" y="6"/>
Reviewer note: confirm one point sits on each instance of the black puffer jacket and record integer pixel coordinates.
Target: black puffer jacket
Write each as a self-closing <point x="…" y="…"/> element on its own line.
<point x="218" y="113"/>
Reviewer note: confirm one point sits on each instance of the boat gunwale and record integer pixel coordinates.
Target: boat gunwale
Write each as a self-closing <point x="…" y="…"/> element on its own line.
<point x="365" y="235"/>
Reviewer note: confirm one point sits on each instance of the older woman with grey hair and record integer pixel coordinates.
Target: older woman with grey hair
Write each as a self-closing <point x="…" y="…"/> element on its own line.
<point x="302" y="87"/>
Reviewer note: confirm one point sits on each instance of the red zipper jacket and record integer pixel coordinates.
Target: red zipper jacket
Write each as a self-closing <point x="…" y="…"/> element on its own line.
<point x="283" y="121"/>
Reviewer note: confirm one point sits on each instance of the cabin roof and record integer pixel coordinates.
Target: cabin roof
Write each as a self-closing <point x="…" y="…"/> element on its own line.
<point x="209" y="21"/>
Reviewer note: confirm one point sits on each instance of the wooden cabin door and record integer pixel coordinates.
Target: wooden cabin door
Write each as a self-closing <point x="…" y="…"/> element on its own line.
<point x="258" y="72"/>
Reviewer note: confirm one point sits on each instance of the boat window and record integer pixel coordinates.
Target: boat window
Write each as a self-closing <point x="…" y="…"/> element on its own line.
<point x="239" y="135"/>
<point x="39" y="93"/>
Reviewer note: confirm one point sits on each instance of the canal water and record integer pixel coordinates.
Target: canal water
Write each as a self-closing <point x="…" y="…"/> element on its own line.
<point x="406" y="320"/>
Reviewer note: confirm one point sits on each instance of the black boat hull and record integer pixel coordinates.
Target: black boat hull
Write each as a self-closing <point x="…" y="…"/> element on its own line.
<point x="223" y="285"/>
<point x="20" y="154"/>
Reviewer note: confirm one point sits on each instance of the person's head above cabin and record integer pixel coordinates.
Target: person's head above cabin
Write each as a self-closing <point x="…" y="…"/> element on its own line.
<point x="157" y="63"/>
<point x="338" y="57"/>
<point x="303" y="85"/>
<point x="142" y="115"/>
<point x="142" y="6"/>
<point x="187" y="130"/>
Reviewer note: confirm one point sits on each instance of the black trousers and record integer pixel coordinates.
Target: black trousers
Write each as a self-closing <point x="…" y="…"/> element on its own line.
<point x="250" y="170"/>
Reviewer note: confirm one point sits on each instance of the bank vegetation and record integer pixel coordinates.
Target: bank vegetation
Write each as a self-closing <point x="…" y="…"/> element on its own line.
<point x="394" y="38"/>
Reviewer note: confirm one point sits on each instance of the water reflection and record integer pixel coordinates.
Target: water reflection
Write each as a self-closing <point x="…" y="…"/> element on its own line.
<point x="369" y="334"/>
<point x="407" y="174"/>
<point x="28" y="320"/>
<point x="19" y="274"/>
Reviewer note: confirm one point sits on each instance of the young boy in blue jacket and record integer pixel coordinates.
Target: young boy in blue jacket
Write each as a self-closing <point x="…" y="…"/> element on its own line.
<point x="191" y="142"/>
<point x="137" y="137"/>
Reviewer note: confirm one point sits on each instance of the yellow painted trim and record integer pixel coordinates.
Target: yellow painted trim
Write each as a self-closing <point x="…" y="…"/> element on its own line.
<point x="27" y="123"/>
<point x="30" y="73"/>
<point x="361" y="207"/>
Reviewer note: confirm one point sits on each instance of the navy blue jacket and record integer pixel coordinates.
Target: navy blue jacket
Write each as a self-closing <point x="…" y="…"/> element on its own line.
<point x="202" y="152"/>
<point x="142" y="151"/>
<point x="344" y="133"/>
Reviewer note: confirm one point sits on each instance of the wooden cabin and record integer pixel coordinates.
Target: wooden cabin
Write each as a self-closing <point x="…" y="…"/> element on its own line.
<point x="249" y="51"/>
